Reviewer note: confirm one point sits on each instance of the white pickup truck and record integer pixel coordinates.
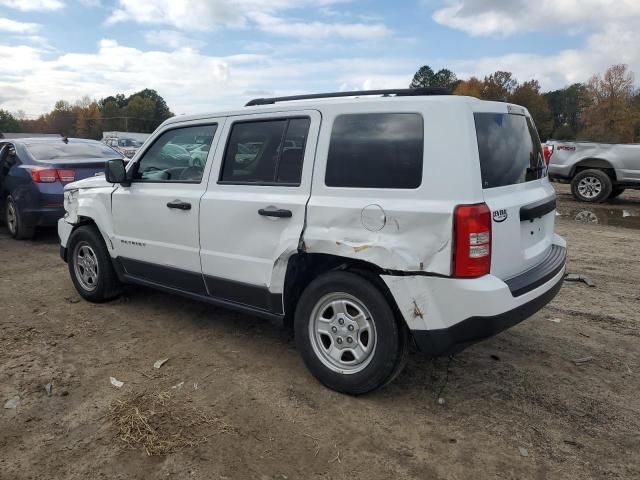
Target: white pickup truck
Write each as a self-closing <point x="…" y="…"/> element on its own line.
<point x="596" y="171"/>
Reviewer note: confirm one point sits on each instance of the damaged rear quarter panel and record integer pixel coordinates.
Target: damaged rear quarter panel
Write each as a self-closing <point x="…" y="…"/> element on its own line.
<point x="415" y="236"/>
<point x="408" y="230"/>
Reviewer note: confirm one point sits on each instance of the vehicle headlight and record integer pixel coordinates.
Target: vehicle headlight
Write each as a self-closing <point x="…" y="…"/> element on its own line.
<point x="71" y="203"/>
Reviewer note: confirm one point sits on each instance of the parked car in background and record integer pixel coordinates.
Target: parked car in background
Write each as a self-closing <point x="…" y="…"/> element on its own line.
<point x="366" y="222"/>
<point x="596" y="171"/>
<point x="126" y="146"/>
<point x="33" y="173"/>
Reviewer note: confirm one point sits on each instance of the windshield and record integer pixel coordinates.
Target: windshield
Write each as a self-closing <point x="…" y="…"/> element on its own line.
<point x="70" y="151"/>
<point x="510" y="150"/>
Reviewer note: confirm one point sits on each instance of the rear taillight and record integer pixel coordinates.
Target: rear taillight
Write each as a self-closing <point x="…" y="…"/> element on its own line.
<point x="472" y="235"/>
<point x="548" y="151"/>
<point x="66" y="176"/>
<point x="51" y="175"/>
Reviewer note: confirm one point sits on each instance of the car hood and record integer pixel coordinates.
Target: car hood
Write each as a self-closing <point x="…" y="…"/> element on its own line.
<point x="91" y="182"/>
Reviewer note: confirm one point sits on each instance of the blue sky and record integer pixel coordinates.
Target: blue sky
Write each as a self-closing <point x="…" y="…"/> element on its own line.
<point x="213" y="54"/>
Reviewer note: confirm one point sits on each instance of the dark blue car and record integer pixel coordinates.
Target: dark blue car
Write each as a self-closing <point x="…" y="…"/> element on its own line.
<point x="33" y="173"/>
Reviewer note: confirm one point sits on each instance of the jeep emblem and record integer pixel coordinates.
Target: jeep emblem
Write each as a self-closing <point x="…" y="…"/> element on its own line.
<point x="500" y="215"/>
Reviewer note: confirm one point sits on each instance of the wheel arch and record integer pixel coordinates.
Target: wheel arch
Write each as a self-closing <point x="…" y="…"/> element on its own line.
<point x="303" y="268"/>
<point x="90" y="221"/>
<point x="594" y="163"/>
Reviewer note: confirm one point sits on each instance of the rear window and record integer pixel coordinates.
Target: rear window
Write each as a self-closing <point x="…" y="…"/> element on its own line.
<point x="70" y="151"/>
<point x="510" y="149"/>
<point x="376" y="150"/>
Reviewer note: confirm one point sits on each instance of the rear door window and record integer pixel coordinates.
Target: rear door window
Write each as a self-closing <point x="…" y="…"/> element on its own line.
<point x="266" y="152"/>
<point x="509" y="148"/>
<point x="376" y="150"/>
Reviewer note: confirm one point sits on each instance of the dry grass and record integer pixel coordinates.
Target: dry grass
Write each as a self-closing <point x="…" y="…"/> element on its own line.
<point x="161" y="424"/>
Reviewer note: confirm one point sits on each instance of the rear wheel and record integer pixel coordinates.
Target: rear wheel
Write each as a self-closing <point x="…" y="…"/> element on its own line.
<point x="591" y="186"/>
<point x="15" y="224"/>
<point x="348" y="335"/>
<point x="90" y="266"/>
<point x="616" y="192"/>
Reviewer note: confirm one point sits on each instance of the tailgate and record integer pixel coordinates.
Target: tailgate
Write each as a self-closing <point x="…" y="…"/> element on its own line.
<point x="522" y="227"/>
<point x="516" y="190"/>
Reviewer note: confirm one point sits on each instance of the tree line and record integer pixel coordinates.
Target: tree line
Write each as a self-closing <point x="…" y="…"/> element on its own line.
<point x="604" y="109"/>
<point x="141" y="112"/>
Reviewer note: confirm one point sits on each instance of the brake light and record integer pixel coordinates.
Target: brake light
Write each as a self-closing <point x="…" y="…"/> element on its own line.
<point x="44" y="175"/>
<point x="66" y="176"/>
<point x="472" y="236"/>
<point x="51" y="175"/>
<point x="548" y="151"/>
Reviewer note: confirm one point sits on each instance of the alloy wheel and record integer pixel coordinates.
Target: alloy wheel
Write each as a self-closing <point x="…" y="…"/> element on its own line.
<point x="86" y="266"/>
<point x="342" y="332"/>
<point x="590" y="187"/>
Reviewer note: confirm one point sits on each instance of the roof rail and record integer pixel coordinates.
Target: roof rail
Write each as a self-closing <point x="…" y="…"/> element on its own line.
<point x="401" y="92"/>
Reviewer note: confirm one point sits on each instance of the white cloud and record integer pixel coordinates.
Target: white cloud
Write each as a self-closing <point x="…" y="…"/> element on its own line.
<point x="610" y="27"/>
<point x="186" y="15"/>
<point x="190" y="81"/>
<point x="8" y="25"/>
<point x="318" y="30"/>
<point x="499" y="17"/>
<point x="33" y="5"/>
<point x="204" y="15"/>
<point x="171" y="39"/>
<point x="615" y="43"/>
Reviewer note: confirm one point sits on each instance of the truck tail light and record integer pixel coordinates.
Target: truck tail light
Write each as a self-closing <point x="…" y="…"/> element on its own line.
<point x="51" y="175"/>
<point x="548" y="151"/>
<point x="472" y="236"/>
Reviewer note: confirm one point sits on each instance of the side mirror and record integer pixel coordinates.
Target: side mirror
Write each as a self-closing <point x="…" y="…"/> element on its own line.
<point x="115" y="172"/>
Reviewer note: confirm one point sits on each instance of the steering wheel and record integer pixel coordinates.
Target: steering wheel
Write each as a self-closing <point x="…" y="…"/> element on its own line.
<point x="191" y="173"/>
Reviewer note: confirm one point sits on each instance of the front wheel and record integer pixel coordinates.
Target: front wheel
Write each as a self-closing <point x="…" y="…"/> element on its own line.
<point x="592" y="186"/>
<point x="348" y="334"/>
<point x="90" y="266"/>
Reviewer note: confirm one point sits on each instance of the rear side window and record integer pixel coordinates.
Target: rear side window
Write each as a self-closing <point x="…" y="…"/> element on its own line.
<point x="509" y="148"/>
<point x="266" y="152"/>
<point x="376" y="150"/>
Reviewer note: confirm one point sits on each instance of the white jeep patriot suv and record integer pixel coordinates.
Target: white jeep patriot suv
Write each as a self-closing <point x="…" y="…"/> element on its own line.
<point x="368" y="219"/>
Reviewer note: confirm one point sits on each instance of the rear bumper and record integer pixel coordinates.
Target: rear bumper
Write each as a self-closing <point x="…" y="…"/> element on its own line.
<point x="445" y="315"/>
<point x="449" y="341"/>
<point x="559" y="172"/>
<point x="42" y="217"/>
<point x="39" y="205"/>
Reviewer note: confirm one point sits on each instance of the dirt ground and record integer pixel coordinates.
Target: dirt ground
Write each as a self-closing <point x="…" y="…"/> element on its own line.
<point x="516" y="406"/>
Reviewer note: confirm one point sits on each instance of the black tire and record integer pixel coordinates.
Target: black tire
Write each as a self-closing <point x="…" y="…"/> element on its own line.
<point x="388" y="354"/>
<point x="593" y="186"/>
<point x="616" y="192"/>
<point x="105" y="285"/>
<point x="15" y="223"/>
